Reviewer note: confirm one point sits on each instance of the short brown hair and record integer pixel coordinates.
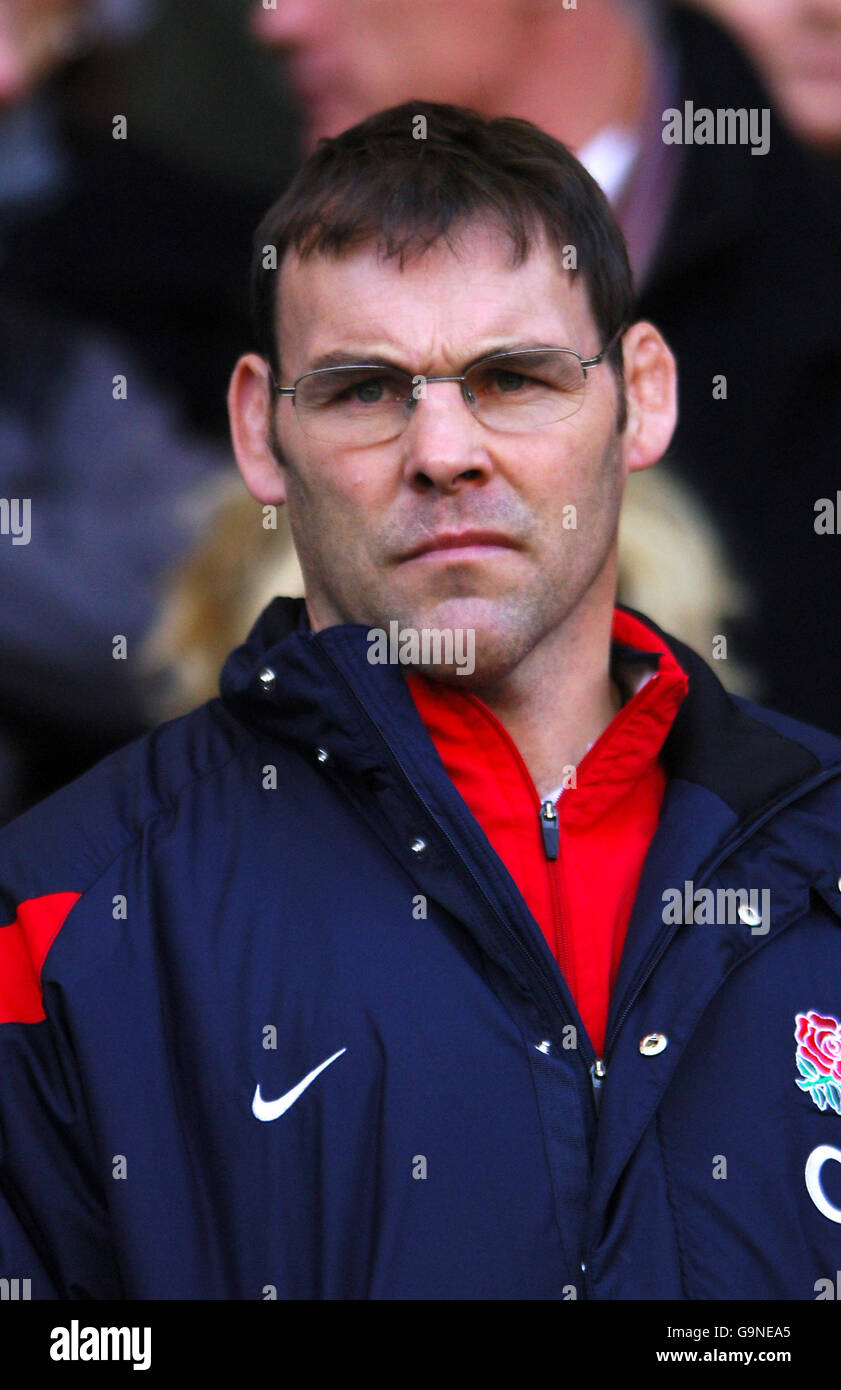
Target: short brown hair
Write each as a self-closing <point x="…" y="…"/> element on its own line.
<point x="377" y="182"/>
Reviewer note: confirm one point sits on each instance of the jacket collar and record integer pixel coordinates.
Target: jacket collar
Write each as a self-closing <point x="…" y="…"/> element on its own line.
<point x="475" y="746"/>
<point x="324" y="692"/>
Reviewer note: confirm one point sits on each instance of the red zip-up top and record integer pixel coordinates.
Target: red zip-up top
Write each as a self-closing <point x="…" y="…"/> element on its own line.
<point x="577" y="857"/>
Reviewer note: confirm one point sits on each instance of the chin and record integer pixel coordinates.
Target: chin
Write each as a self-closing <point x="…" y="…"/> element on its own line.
<point x="471" y="650"/>
<point x="465" y="641"/>
<point x="459" y="678"/>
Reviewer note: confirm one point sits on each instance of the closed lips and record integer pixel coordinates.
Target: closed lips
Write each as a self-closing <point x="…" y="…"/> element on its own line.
<point x="459" y="541"/>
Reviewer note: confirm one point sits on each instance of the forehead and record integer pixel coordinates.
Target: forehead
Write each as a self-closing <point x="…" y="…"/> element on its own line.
<point x="451" y="302"/>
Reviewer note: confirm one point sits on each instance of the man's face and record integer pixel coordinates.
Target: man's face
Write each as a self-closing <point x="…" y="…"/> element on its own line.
<point x="357" y="513"/>
<point x="34" y="39"/>
<point x="796" y="45"/>
<point x="348" y="58"/>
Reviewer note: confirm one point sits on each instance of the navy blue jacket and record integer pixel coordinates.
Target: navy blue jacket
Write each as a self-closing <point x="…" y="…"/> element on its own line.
<point x="286" y="882"/>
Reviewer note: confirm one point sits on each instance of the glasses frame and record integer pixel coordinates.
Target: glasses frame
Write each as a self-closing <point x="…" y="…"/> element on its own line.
<point x="586" y="362"/>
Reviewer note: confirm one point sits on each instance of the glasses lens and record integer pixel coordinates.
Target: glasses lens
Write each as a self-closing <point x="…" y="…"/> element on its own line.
<point x="353" y="405"/>
<point x="528" y="389"/>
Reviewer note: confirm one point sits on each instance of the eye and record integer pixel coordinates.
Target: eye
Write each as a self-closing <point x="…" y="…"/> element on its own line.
<point x="520" y="377"/>
<point x="506" y="380"/>
<point x="368" y="389"/>
<point x="367" y="392"/>
<point x="493" y="380"/>
<point x="530" y="374"/>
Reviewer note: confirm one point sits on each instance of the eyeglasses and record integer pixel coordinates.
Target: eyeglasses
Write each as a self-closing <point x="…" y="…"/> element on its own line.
<point x="371" y="403"/>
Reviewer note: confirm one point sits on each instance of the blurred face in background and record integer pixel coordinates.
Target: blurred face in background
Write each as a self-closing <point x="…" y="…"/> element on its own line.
<point x="796" y="45"/>
<point x="36" y="36"/>
<point x="348" y="58"/>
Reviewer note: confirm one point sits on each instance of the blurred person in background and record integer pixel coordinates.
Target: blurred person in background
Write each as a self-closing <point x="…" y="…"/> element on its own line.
<point x="96" y="503"/>
<point x="108" y="230"/>
<point x="32" y="40"/>
<point x="100" y="453"/>
<point x="733" y="247"/>
<point x="796" y="45"/>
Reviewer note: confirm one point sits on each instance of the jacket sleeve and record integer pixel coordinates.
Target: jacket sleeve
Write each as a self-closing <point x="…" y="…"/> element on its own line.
<point x="54" y="1224"/>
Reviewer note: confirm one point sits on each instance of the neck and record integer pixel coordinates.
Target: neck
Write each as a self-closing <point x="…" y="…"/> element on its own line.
<point x="561" y="697"/>
<point x="585" y="69"/>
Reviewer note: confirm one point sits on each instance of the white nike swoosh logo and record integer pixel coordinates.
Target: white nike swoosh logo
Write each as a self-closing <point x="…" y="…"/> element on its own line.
<point x="273" y="1109"/>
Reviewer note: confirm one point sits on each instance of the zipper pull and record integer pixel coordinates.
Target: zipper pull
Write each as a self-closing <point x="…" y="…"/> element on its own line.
<point x="598" y="1072"/>
<point x="549" y="829"/>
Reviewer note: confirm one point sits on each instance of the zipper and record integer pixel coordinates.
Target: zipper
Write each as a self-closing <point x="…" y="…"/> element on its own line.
<point x="598" y="1072"/>
<point x="549" y="829"/>
<point x="549" y="985"/>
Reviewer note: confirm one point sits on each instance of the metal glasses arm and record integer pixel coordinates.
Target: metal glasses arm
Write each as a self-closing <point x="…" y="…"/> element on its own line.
<point x="594" y="361"/>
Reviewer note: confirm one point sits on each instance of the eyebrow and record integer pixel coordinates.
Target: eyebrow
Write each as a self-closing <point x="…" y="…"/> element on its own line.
<point x="350" y="357"/>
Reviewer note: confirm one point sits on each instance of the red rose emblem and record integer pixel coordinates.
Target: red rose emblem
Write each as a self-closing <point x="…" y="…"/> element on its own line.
<point x="819" y="1040"/>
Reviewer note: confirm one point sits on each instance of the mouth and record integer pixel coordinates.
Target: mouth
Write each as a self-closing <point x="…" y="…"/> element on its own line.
<point x="461" y="545"/>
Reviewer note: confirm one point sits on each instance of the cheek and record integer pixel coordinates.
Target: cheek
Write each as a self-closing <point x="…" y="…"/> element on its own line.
<point x="593" y="486"/>
<point x="570" y="464"/>
<point x="336" y="507"/>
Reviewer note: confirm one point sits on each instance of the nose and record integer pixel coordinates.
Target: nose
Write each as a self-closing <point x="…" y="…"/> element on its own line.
<point x="443" y="443"/>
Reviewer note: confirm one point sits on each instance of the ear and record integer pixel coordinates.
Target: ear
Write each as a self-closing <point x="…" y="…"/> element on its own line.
<point x="250" y="403"/>
<point x="651" y="391"/>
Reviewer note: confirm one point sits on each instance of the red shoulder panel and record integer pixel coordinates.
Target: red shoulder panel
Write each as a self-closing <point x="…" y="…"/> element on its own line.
<point x="24" y="944"/>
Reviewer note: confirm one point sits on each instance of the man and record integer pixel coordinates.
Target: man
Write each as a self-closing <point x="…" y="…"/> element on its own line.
<point x="478" y="979"/>
<point x="732" y="244"/>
